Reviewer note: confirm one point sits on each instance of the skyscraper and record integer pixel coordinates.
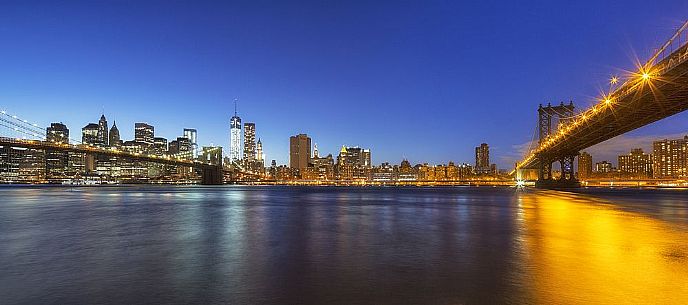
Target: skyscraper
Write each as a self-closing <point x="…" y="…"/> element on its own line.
<point x="260" y="158"/>
<point x="102" y="134"/>
<point x="181" y="147"/>
<point x="482" y="156"/>
<point x="144" y="133"/>
<point x="584" y="166"/>
<point x="57" y="133"/>
<point x="89" y="134"/>
<point x="235" y="137"/>
<point x="249" y="143"/>
<point x="299" y="151"/>
<point x="115" y="140"/>
<point x="192" y="135"/>
<point x="56" y="162"/>
<point x="482" y="159"/>
<point x="353" y="163"/>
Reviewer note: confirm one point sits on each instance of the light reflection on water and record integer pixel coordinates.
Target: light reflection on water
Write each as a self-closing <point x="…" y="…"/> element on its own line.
<point x="244" y="245"/>
<point x="575" y="248"/>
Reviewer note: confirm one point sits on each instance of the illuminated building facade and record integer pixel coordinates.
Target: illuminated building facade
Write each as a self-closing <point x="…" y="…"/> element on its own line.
<point x="670" y="158"/>
<point x="89" y="134"/>
<point x="159" y="146"/>
<point x="249" y="144"/>
<point x="320" y="168"/>
<point x="19" y="165"/>
<point x="235" y="138"/>
<point x="192" y="135"/>
<point x="636" y="164"/>
<point x="102" y="134"/>
<point x="482" y="161"/>
<point x="604" y="167"/>
<point x="584" y="166"/>
<point x="56" y="162"/>
<point x="144" y="133"/>
<point x="260" y="156"/>
<point x="353" y="163"/>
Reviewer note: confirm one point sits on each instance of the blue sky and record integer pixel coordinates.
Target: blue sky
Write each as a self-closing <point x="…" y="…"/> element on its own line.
<point x="424" y="80"/>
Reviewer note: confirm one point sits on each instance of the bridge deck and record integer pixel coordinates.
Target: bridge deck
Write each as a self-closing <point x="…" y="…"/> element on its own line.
<point x="636" y="104"/>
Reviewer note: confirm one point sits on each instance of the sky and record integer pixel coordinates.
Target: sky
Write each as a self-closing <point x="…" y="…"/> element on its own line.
<point x="422" y="80"/>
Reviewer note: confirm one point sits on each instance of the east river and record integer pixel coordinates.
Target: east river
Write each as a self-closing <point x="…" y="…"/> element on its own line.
<point x="339" y="245"/>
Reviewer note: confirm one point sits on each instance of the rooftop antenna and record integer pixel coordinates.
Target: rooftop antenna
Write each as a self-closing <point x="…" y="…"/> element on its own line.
<point x="235" y="106"/>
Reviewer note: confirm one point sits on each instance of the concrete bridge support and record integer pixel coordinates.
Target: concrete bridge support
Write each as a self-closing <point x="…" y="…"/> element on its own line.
<point x="568" y="175"/>
<point x="211" y="175"/>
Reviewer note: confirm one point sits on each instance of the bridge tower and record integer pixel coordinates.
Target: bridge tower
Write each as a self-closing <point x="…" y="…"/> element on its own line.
<point x="563" y="113"/>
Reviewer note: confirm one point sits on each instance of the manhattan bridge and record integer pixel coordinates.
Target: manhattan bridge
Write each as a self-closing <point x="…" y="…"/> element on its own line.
<point x="655" y="90"/>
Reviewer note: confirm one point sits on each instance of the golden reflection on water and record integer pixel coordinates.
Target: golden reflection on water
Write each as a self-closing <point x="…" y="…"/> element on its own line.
<point x="581" y="250"/>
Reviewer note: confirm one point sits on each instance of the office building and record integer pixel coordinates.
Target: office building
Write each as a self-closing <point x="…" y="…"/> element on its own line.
<point x="181" y="147"/>
<point x="299" y="151"/>
<point x="102" y="134"/>
<point x="235" y="137"/>
<point x="192" y="135"/>
<point x="320" y="168"/>
<point x="353" y="163"/>
<point x="56" y="162"/>
<point x="482" y="160"/>
<point x="260" y="156"/>
<point x="249" y="144"/>
<point x="89" y="134"/>
<point x="159" y="146"/>
<point x="144" y="133"/>
<point x="114" y="138"/>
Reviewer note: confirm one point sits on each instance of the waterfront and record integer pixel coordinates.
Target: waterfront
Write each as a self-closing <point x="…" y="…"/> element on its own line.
<point x="341" y="245"/>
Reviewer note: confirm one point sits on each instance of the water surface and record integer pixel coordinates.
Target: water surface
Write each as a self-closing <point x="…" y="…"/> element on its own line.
<point x="336" y="245"/>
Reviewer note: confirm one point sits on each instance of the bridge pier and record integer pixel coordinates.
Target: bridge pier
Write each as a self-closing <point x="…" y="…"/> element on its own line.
<point x="568" y="175"/>
<point x="211" y="175"/>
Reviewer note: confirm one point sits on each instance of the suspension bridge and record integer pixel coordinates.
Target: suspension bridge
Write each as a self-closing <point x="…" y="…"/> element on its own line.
<point x="16" y="132"/>
<point x="655" y="90"/>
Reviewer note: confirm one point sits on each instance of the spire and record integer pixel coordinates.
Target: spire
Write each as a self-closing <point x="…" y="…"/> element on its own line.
<point x="235" y="106"/>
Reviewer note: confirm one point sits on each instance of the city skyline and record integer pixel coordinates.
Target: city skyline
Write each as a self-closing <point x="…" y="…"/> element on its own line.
<point x="137" y="83"/>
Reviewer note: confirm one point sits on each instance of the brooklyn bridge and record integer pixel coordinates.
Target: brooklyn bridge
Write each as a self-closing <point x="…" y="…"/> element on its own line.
<point x="16" y="132"/>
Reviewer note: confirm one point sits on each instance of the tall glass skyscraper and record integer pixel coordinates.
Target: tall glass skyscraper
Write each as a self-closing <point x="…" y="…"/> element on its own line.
<point x="102" y="131"/>
<point x="235" y="137"/>
<point x="249" y="143"/>
<point x="192" y="135"/>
